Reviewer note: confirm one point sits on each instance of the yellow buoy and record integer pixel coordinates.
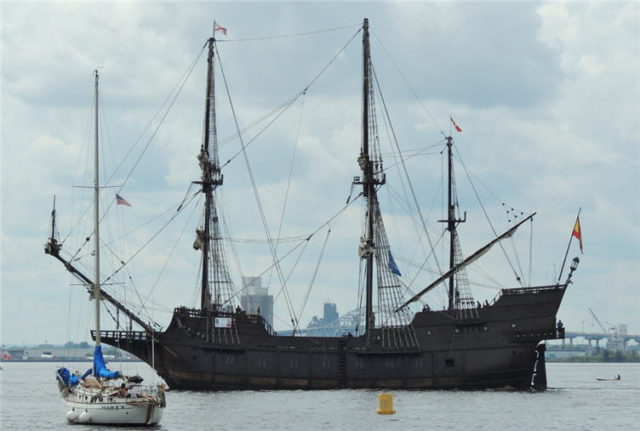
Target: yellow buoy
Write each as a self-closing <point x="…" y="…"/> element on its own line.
<point x="385" y="404"/>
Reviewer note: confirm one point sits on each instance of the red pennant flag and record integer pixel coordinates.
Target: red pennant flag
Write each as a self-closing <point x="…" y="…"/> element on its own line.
<point x="577" y="232"/>
<point x="458" y="129"/>
<point x="217" y="27"/>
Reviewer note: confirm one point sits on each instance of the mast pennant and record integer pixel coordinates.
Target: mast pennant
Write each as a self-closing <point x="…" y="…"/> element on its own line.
<point x="218" y="27"/>
<point x="475" y="256"/>
<point x="455" y="125"/>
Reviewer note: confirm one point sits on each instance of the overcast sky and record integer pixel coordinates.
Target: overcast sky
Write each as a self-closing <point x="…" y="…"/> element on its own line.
<point x="547" y="95"/>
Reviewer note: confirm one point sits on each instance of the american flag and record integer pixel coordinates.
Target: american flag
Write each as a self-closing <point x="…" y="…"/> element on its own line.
<point x="121" y="201"/>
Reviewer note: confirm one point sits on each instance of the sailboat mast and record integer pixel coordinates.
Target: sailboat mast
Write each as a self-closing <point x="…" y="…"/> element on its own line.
<point x="96" y="213"/>
<point x="368" y="180"/>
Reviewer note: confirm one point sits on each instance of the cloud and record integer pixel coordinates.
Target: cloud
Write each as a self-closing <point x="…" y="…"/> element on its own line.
<point x="546" y="95"/>
<point x="478" y="54"/>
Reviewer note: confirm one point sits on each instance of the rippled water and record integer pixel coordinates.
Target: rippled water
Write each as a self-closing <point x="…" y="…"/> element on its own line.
<point x="29" y="400"/>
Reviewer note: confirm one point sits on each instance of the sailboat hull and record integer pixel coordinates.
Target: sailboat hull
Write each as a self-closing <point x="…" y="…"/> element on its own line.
<point x="488" y="347"/>
<point x="87" y="406"/>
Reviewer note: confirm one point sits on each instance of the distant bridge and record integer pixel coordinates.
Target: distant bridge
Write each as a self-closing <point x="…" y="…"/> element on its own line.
<point x="619" y="341"/>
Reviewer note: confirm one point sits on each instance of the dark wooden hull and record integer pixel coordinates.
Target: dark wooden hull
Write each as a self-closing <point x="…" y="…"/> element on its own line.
<point x="497" y="346"/>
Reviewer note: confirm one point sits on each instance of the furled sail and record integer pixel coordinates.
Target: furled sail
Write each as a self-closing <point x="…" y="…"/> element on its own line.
<point x="68" y="379"/>
<point x="100" y="368"/>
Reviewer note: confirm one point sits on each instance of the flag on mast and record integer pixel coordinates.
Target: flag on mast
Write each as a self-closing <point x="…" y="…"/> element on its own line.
<point x="458" y="129"/>
<point x="577" y="232"/>
<point x="217" y="27"/>
<point x="393" y="266"/>
<point x="121" y="201"/>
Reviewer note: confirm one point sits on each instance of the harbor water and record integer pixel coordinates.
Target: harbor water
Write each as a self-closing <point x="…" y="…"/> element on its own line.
<point x="575" y="400"/>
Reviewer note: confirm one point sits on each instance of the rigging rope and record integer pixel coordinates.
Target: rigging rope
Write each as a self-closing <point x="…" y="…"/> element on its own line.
<point x="252" y="179"/>
<point x="149" y="240"/>
<point x="285" y="36"/>
<point x="315" y="273"/>
<point x="404" y="78"/>
<point x="286" y="193"/>
<point x="404" y="167"/>
<point x="180" y="85"/>
<point x="278" y="112"/>
<point x="518" y="278"/>
<point x="286" y="105"/>
<point x="187" y="223"/>
<point x="308" y="238"/>
<point x="256" y="194"/>
<point x="227" y="229"/>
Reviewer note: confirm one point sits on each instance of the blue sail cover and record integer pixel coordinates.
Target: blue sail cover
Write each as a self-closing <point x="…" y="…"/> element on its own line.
<point x="99" y="367"/>
<point x="64" y="375"/>
<point x="71" y="379"/>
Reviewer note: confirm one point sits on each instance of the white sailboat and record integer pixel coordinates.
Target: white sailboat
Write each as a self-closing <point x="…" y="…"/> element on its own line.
<point x="101" y="396"/>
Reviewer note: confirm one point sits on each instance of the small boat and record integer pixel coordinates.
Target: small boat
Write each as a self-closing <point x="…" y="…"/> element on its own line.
<point x="610" y="380"/>
<point x="101" y="396"/>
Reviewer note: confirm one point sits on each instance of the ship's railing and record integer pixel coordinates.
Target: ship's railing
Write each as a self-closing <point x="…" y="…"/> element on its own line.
<point x="258" y="319"/>
<point x="196" y="312"/>
<point x="253" y="318"/>
<point x="121" y="335"/>
<point x="189" y="312"/>
<point x="531" y="290"/>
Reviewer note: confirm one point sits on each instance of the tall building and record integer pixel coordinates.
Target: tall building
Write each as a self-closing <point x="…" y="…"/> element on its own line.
<point x="256" y="299"/>
<point x="330" y="312"/>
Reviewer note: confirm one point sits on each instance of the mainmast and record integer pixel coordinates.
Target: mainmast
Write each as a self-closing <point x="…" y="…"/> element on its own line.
<point x="96" y="213"/>
<point x="211" y="178"/>
<point x="369" y="180"/>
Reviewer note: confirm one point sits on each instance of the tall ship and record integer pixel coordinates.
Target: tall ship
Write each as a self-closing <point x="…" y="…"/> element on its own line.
<point x="401" y="344"/>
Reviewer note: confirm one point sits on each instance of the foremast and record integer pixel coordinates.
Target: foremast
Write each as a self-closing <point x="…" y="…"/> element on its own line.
<point x="208" y="238"/>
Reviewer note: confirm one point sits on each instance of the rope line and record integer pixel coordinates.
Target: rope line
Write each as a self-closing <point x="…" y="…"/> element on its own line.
<point x="484" y="210"/>
<point x="406" y="81"/>
<point x="286" y="36"/>
<point x="256" y="194"/>
<point x="404" y="168"/>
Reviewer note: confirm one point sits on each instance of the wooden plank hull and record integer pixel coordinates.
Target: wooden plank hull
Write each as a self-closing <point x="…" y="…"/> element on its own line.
<point x="498" y="347"/>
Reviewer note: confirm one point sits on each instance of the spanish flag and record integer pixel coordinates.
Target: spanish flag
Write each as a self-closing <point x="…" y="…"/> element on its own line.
<point x="577" y="232"/>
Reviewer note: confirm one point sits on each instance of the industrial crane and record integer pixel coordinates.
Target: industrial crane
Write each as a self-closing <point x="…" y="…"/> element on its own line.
<point x="604" y="330"/>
